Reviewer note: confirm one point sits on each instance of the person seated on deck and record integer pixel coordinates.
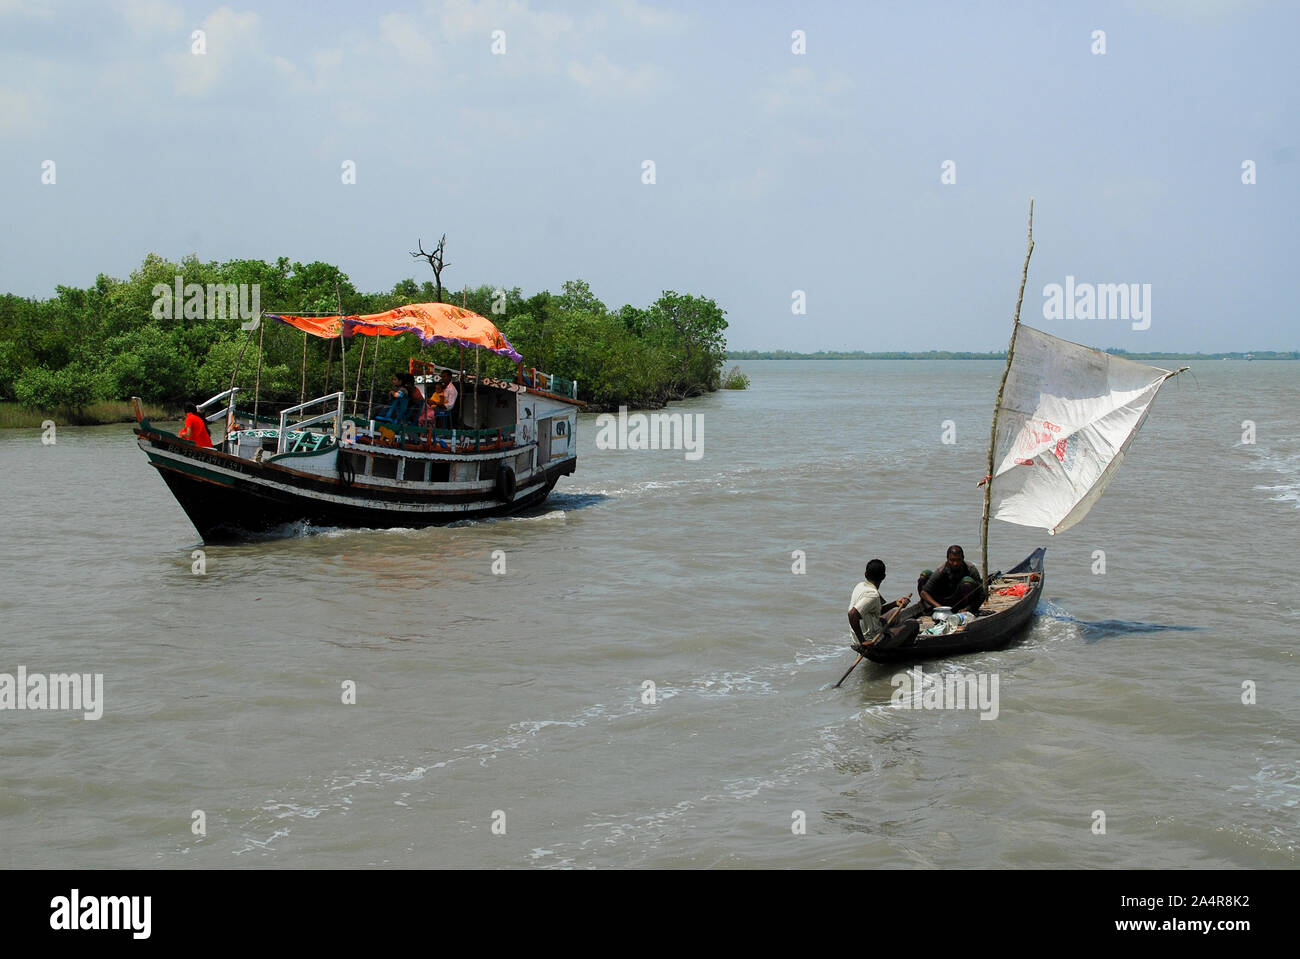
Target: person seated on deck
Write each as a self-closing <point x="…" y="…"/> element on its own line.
<point x="441" y="402"/>
<point x="406" y="400"/>
<point x="395" y="397"/>
<point x="956" y="584"/>
<point x="865" y="608"/>
<point x="404" y="385"/>
<point x="195" y="430"/>
<point x="413" y="391"/>
<point x="436" y="400"/>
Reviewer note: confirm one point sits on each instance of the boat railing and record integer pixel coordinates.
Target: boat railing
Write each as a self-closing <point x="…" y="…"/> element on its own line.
<point x="532" y="377"/>
<point x="271" y="420"/>
<point x="549" y="383"/>
<point x="428" y="439"/>
<point x="336" y="414"/>
<point x="224" y="411"/>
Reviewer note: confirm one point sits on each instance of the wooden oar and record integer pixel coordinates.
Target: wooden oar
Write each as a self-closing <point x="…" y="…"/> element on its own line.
<point x="884" y="624"/>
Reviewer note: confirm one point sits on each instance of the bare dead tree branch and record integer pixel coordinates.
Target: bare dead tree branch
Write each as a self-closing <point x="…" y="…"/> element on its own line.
<point x="434" y="257"/>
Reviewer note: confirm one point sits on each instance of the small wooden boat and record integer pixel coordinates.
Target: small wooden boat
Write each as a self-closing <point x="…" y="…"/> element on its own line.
<point x="1064" y="419"/>
<point x="1002" y="618"/>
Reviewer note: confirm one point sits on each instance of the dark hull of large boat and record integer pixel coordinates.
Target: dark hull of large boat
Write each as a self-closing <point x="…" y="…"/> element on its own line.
<point x="986" y="633"/>
<point x="262" y="499"/>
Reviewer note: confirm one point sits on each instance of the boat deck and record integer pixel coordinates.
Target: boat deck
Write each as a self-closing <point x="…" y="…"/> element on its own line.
<point x="995" y="603"/>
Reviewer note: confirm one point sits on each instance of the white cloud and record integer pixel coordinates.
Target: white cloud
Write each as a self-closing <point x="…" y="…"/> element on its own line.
<point x="542" y="27"/>
<point x="26" y="8"/>
<point x="799" y="88"/>
<point x="537" y="41"/>
<point x="19" y="112"/>
<point x="325" y="60"/>
<point x="151" y="16"/>
<point x="605" y="78"/>
<point x="228" y="37"/>
<point x="405" y="36"/>
<point x="652" y="18"/>
<point x="1194" y="10"/>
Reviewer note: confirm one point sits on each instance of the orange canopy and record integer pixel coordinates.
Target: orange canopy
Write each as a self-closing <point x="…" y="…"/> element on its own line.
<point x="431" y="322"/>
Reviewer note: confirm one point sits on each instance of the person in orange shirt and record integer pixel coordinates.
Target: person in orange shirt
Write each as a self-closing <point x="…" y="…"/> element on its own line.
<point x="195" y="430"/>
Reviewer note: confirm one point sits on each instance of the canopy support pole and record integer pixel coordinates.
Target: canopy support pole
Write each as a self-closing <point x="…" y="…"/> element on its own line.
<point x="993" y="431"/>
<point x="230" y="420"/>
<point x="343" y="349"/>
<point x="257" y="386"/>
<point x="356" y="391"/>
<point x="374" y="368"/>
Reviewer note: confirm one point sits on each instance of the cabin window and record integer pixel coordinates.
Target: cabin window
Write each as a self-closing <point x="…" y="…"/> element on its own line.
<point x="355" y="463"/>
<point x="440" y="472"/>
<point x="414" y="471"/>
<point x="384" y="467"/>
<point x="522" y="462"/>
<point x="487" y="469"/>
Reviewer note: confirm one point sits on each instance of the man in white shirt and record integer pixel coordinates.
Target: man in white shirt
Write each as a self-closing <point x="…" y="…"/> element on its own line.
<point x="448" y="391"/>
<point x="865" y="606"/>
<point x="442" y="400"/>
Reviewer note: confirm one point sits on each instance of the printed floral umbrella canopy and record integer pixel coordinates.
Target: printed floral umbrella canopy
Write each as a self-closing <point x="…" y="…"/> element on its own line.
<point x="431" y="322"/>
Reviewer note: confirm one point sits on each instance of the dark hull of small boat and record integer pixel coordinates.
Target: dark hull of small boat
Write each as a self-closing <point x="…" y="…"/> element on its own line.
<point x="986" y="633"/>
<point x="261" y="499"/>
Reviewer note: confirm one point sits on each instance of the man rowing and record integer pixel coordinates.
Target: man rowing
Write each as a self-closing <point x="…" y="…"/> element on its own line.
<point x="956" y="584"/>
<point x="865" y="608"/>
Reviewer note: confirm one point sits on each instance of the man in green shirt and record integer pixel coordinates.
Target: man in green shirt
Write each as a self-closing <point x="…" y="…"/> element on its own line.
<point x="956" y="583"/>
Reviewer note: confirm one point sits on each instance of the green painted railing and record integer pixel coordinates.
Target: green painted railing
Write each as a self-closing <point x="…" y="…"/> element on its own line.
<point x="458" y="441"/>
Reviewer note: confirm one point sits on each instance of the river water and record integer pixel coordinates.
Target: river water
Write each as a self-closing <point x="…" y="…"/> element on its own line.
<point x="505" y="719"/>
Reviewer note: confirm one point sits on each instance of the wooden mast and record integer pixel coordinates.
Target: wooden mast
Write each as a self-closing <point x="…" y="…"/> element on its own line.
<point x="993" y="430"/>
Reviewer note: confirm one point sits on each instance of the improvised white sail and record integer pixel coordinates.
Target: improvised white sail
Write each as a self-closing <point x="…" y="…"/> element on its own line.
<point x="1067" y="415"/>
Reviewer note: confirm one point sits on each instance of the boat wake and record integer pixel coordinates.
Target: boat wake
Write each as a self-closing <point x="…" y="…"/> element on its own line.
<point x="302" y="529"/>
<point x="576" y="500"/>
<point x="594" y="496"/>
<point x="529" y="516"/>
<point x="1094" y="630"/>
<point x="335" y="794"/>
<point x="305" y="530"/>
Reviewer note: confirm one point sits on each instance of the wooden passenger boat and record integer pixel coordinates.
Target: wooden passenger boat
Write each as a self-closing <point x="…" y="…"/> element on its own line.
<point x="504" y="450"/>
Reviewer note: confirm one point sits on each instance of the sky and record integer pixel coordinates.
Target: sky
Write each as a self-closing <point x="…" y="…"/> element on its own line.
<point x="843" y="176"/>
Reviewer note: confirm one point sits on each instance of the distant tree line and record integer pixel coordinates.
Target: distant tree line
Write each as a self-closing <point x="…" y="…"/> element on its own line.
<point x="948" y="355"/>
<point x="858" y="355"/>
<point x="108" y="341"/>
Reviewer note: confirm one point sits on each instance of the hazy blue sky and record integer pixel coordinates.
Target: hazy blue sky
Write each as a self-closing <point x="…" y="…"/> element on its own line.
<point x="774" y="171"/>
